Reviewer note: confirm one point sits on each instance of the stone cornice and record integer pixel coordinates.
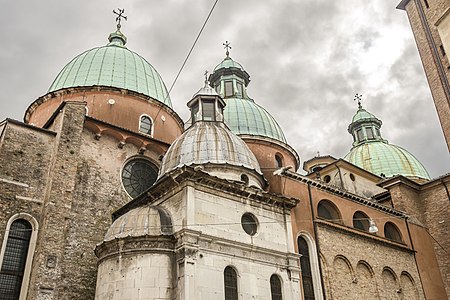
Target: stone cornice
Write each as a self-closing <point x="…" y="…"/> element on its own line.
<point x="186" y="174"/>
<point x="135" y="245"/>
<point x="344" y="194"/>
<point x="127" y="131"/>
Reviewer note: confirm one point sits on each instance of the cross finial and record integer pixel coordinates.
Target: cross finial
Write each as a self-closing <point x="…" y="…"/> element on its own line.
<point x="119" y="17"/>
<point x="228" y="47"/>
<point x="206" y="77"/>
<point x="358" y="98"/>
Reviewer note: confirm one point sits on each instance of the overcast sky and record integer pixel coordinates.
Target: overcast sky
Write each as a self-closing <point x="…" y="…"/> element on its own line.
<point x="306" y="59"/>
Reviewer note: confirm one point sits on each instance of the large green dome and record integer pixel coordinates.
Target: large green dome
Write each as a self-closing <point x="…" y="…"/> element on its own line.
<point x="113" y="65"/>
<point x="381" y="158"/>
<point x="244" y="116"/>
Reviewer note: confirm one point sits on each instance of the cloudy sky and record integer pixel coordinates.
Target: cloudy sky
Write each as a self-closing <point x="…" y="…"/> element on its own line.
<point x="306" y="59"/>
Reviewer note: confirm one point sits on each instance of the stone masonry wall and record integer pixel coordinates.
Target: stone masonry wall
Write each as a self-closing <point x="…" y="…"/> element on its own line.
<point x="358" y="267"/>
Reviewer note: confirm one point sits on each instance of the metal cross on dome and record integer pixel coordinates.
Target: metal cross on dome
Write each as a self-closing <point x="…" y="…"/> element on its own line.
<point x="359" y="98"/>
<point x="206" y="77"/>
<point x="120" y="16"/>
<point x="228" y="47"/>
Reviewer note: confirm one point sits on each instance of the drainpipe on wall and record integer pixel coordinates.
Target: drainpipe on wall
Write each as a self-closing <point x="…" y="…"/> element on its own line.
<point x="414" y="253"/>
<point x="317" y="241"/>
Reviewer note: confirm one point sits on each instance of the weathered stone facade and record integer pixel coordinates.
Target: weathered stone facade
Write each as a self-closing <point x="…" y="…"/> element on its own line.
<point x="356" y="235"/>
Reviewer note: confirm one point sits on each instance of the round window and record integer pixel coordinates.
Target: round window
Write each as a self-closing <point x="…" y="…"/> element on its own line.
<point x="249" y="224"/>
<point x="137" y="176"/>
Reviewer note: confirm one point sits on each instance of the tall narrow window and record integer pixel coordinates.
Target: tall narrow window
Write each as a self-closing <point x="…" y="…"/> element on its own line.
<point x="275" y="287"/>
<point x="14" y="259"/>
<point x="278" y="160"/>
<point x="360" y="135"/>
<point x="305" y="264"/>
<point x="369" y="133"/>
<point x="194" y="112"/>
<point x="230" y="280"/>
<point x="208" y="110"/>
<point x="145" y="125"/>
<point x="228" y="88"/>
<point x="240" y="89"/>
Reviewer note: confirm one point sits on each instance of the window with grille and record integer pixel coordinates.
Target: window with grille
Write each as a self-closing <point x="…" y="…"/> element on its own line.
<point x="275" y="287"/>
<point x="137" y="176"/>
<point x="305" y="264"/>
<point x="230" y="280"/>
<point x="14" y="259"/>
<point x="145" y="125"/>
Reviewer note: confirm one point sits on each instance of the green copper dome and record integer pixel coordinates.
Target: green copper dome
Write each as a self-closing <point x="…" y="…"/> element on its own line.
<point x="374" y="154"/>
<point x="228" y="62"/>
<point x="381" y="158"/>
<point x="113" y="65"/>
<point x="244" y="116"/>
<point x="362" y="114"/>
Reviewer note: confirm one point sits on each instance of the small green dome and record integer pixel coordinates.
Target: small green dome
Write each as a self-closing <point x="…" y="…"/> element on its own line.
<point x="374" y="154"/>
<point x="244" y="116"/>
<point x="362" y="114"/>
<point x="379" y="157"/>
<point x="113" y="65"/>
<point x="228" y="62"/>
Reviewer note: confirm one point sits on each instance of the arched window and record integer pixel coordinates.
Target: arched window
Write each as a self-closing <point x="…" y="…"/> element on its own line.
<point x="361" y="221"/>
<point x="278" y="160"/>
<point x="145" y="125"/>
<point x="327" y="210"/>
<point x="391" y="232"/>
<point x="275" y="287"/>
<point x="245" y="179"/>
<point x="14" y="259"/>
<point x="230" y="280"/>
<point x="305" y="264"/>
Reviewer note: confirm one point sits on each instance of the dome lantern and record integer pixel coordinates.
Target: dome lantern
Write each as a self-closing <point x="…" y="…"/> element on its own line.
<point x="206" y="105"/>
<point x="242" y="114"/>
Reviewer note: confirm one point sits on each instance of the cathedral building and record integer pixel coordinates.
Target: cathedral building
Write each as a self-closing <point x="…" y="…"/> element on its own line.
<point x="107" y="194"/>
